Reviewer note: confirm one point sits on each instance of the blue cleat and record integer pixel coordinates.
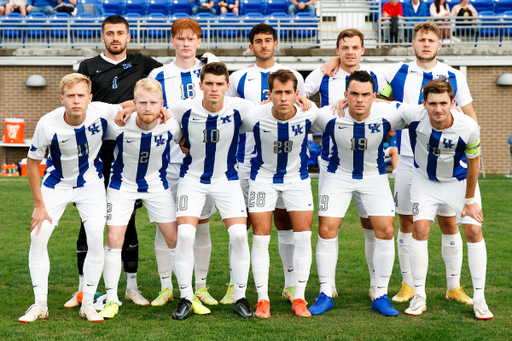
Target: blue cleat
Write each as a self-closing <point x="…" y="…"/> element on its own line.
<point x="321" y="305"/>
<point x="383" y="306"/>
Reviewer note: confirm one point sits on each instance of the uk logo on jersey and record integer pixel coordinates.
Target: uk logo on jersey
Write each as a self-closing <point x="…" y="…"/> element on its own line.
<point x="226" y="119"/>
<point x="298" y="130"/>
<point x="94" y="129"/>
<point x="127" y="66"/>
<point x="159" y="140"/>
<point x="197" y="73"/>
<point x="448" y="144"/>
<point x="375" y="128"/>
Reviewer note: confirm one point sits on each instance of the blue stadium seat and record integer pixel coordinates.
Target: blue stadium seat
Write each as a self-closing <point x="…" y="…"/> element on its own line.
<point x="136" y="7"/>
<point x="59" y="22"/>
<point x="482" y="5"/>
<point x="10" y="28"/>
<point x="180" y="6"/>
<point x="281" y="22"/>
<point x="157" y="27"/>
<point x="250" y="20"/>
<point x="114" y="7"/>
<point x="506" y="17"/>
<point x="492" y="22"/>
<point x="132" y="20"/>
<point x="274" y="6"/>
<point x="307" y="19"/>
<point x="229" y="30"/>
<point x="94" y="7"/>
<point x="252" y="6"/>
<point x="86" y="31"/>
<point x="37" y="28"/>
<point x="160" y="6"/>
<point x="203" y="18"/>
<point x="502" y="6"/>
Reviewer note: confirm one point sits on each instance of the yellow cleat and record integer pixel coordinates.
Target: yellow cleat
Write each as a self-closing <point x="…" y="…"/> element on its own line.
<point x="164" y="297"/>
<point x="205" y="297"/>
<point x="198" y="307"/>
<point x="111" y="309"/>
<point x="459" y="295"/>
<point x="288" y="293"/>
<point x="229" y="297"/>
<point x="404" y="295"/>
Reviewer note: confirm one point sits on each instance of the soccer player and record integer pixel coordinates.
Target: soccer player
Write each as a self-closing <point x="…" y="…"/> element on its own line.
<point x="72" y="135"/>
<point x="251" y="83"/>
<point x="279" y="167"/>
<point x="180" y="81"/>
<point x="211" y="127"/>
<point x="440" y="181"/>
<point x="138" y="173"/>
<point x="113" y="75"/>
<point x="356" y="165"/>
<point x="349" y="48"/>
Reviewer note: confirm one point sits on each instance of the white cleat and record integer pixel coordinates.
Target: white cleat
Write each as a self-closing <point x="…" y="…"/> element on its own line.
<point x="417" y="306"/>
<point x="136" y="297"/>
<point x="89" y="312"/>
<point x="481" y="310"/>
<point x="33" y="313"/>
<point x="73" y="302"/>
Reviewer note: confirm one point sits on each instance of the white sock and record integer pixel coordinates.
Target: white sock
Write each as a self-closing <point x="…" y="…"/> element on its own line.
<point x="93" y="265"/>
<point x="39" y="261"/>
<point x="260" y="261"/>
<point x="163" y="261"/>
<point x="477" y="261"/>
<point x="185" y="259"/>
<point x="80" y="282"/>
<point x="230" y="270"/>
<point x="241" y="259"/>
<point x="383" y="259"/>
<point x="419" y="265"/>
<point x="403" y="243"/>
<point x="131" y="280"/>
<point x="452" y="255"/>
<point x="286" y="246"/>
<point x="172" y="253"/>
<point x="112" y="272"/>
<point x="335" y="264"/>
<point x="302" y="256"/>
<point x="369" y="251"/>
<point x="325" y="263"/>
<point x="202" y="254"/>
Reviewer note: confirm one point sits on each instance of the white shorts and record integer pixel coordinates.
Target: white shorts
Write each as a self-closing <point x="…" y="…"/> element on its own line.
<point x="227" y="196"/>
<point x="89" y="200"/>
<point x="446" y="211"/>
<point x="297" y="196"/>
<point x="160" y="206"/>
<point x="244" y="173"/>
<point x="434" y="197"/>
<point x="403" y="178"/>
<point x="173" y="177"/>
<point x="335" y="192"/>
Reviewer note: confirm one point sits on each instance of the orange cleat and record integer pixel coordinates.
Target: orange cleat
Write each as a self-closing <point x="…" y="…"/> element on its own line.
<point x="263" y="309"/>
<point x="299" y="307"/>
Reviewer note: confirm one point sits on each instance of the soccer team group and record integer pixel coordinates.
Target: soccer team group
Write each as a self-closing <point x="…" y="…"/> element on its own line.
<point x="187" y="137"/>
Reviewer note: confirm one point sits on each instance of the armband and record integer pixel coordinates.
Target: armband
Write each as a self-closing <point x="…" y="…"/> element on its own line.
<point x="473" y="149"/>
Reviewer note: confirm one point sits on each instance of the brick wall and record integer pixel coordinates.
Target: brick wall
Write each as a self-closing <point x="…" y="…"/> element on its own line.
<point x="493" y="106"/>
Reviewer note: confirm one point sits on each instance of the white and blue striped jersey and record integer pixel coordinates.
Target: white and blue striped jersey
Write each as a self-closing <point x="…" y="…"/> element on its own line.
<point x="407" y="82"/>
<point x="211" y="137"/>
<point x="141" y="156"/>
<point x="357" y="148"/>
<point x="252" y="84"/>
<point x="438" y="153"/>
<point x="281" y="147"/>
<point x="178" y="84"/>
<point x="332" y="89"/>
<point x="73" y="151"/>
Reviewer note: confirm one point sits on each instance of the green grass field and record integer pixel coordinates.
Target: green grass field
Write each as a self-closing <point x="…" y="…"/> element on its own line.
<point x="351" y="318"/>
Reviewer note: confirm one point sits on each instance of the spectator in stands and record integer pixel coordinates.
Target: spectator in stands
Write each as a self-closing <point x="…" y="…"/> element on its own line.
<point x="464" y="13"/>
<point x="44" y="6"/>
<point x="415" y="9"/>
<point x="440" y="9"/>
<point x="229" y="6"/>
<point x="67" y="6"/>
<point x="197" y="6"/>
<point x="19" y="6"/>
<point x="393" y="10"/>
<point x="3" y="4"/>
<point x="302" y="6"/>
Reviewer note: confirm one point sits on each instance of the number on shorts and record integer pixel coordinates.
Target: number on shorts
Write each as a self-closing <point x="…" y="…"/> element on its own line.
<point x="283" y="147"/>
<point x="359" y="144"/>
<point x="144" y="157"/>
<point x="211" y="135"/>
<point x="187" y="91"/>
<point x="83" y="149"/>
<point x="323" y="203"/>
<point x="183" y="203"/>
<point x="257" y="199"/>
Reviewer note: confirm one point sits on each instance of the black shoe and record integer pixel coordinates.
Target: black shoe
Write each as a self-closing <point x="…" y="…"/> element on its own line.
<point x="243" y="308"/>
<point x="183" y="310"/>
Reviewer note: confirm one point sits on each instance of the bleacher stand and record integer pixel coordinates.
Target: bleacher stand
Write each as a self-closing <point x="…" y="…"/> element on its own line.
<point x="160" y="6"/>
<point x="502" y="6"/>
<point x="274" y="6"/>
<point x="253" y="6"/>
<point x="95" y="7"/>
<point x="136" y="7"/>
<point x="229" y="6"/>
<point x="298" y="6"/>
<point x="44" y="6"/>
<point x="180" y="6"/>
<point x="200" y="6"/>
<point x="114" y="7"/>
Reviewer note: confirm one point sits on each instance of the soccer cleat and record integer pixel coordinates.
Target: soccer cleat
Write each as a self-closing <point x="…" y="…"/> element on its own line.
<point x="321" y="305"/>
<point x="371" y="293"/>
<point x="33" y="313"/>
<point x="164" y="297"/>
<point x="417" y="306"/>
<point x="383" y="306"/>
<point x="243" y="309"/>
<point x="205" y="297"/>
<point x="334" y="292"/>
<point x="88" y="311"/>
<point x="229" y="298"/>
<point x="404" y="295"/>
<point x="459" y="295"/>
<point x="288" y="293"/>
<point x="73" y="302"/>
<point x="198" y="307"/>
<point x="111" y="309"/>
<point x="299" y="307"/>
<point x="183" y="310"/>
<point x="263" y="309"/>
<point x="481" y="310"/>
<point x="136" y="297"/>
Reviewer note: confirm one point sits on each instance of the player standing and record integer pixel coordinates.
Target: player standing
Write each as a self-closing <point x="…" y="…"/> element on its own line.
<point x="72" y="135"/>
